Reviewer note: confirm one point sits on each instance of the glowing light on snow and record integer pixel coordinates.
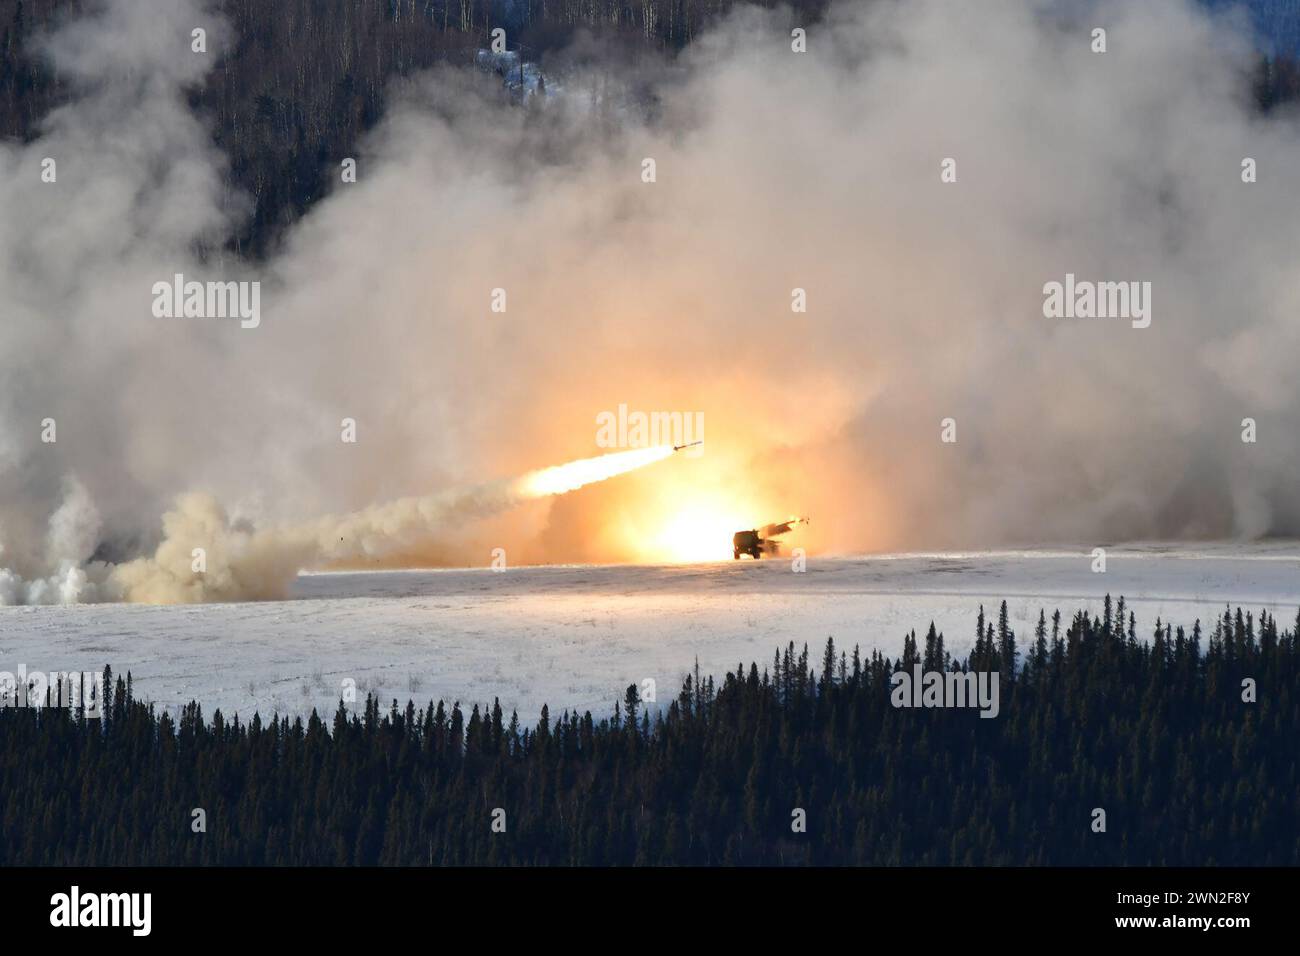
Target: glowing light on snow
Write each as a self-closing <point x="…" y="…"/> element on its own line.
<point x="700" y="531"/>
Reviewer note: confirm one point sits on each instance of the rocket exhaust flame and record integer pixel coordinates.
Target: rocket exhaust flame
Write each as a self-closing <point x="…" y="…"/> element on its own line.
<point x="562" y="478"/>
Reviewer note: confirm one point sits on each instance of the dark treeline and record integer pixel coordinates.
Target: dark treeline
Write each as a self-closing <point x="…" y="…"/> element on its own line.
<point x="1155" y="732"/>
<point x="306" y="78"/>
<point x="1277" y="82"/>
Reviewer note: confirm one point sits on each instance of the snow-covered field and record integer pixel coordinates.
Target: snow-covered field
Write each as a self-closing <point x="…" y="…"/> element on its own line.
<point x="575" y="636"/>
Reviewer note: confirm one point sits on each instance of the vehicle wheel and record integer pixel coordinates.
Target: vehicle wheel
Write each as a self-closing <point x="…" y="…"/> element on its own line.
<point x="736" y="555"/>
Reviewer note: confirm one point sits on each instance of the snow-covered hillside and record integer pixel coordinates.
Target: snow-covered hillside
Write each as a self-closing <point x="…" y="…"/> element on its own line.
<point x="575" y="636"/>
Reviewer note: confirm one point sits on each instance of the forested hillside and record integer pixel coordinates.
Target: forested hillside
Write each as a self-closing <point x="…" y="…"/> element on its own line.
<point x="306" y="78"/>
<point x="1157" y="733"/>
<point x="1277" y="21"/>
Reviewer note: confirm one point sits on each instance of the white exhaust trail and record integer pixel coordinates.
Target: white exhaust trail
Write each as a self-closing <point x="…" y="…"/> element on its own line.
<point x="204" y="558"/>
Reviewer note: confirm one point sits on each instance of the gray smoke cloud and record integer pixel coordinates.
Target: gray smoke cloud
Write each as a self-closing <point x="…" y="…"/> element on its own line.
<point x="775" y="171"/>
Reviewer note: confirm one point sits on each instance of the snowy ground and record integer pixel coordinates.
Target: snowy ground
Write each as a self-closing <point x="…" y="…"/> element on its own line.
<point x="574" y="636"/>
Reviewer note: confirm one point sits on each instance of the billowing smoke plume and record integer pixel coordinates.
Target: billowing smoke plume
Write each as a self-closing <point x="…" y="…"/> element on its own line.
<point x="775" y="171"/>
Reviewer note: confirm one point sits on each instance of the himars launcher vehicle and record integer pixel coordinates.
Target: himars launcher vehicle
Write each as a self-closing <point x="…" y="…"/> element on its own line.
<point x="759" y="541"/>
